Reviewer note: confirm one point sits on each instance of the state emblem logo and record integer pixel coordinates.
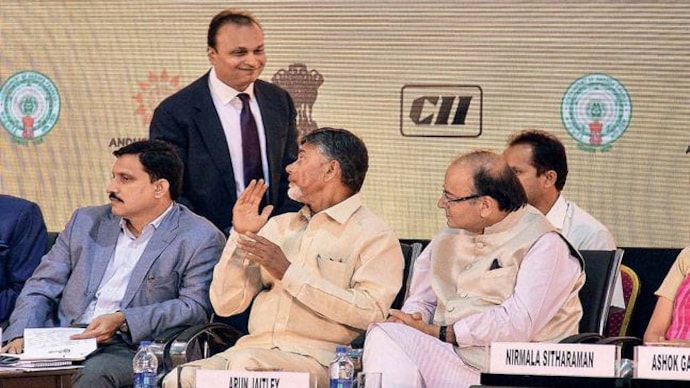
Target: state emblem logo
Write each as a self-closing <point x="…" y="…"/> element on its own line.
<point x="303" y="86"/>
<point x="596" y="111"/>
<point x="29" y="106"/>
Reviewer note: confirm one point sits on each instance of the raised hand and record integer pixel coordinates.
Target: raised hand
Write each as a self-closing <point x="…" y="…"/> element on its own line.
<point x="245" y="213"/>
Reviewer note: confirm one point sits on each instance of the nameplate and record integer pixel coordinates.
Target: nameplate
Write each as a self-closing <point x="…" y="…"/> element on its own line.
<point x="662" y="363"/>
<point x="552" y="359"/>
<point x="207" y="378"/>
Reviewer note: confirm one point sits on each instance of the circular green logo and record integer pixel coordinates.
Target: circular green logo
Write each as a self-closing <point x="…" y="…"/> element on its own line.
<point x="29" y="106"/>
<point x="596" y="111"/>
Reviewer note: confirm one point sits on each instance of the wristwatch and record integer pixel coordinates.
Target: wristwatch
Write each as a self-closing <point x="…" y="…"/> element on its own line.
<point x="442" y="333"/>
<point x="124" y="328"/>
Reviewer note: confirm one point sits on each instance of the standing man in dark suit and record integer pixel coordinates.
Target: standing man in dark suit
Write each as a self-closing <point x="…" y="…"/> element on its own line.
<point x="128" y="271"/>
<point x="204" y="121"/>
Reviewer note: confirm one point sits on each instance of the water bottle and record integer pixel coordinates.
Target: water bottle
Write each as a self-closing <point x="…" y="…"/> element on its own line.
<point x="341" y="370"/>
<point x="145" y="366"/>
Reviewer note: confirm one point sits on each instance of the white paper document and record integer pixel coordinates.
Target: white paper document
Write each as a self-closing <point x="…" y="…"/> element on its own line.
<point x="54" y="343"/>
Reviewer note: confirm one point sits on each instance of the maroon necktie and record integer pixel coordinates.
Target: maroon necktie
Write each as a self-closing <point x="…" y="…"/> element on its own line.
<point x="251" y="151"/>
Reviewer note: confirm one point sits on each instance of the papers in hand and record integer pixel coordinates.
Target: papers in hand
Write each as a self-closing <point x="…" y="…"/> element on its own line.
<point x="54" y="343"/>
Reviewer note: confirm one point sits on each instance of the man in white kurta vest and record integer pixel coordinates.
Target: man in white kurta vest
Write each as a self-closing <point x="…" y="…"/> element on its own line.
<point x="499" y="272"/>
<point x="540" y="162"/>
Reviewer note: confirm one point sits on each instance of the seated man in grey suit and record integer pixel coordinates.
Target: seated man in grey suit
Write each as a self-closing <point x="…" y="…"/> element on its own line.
<point x="128" y="270"/>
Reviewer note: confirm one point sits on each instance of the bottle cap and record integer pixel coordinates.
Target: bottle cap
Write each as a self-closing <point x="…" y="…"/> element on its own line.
<point x="340" y="349"/>
<point x="145" y="343"/>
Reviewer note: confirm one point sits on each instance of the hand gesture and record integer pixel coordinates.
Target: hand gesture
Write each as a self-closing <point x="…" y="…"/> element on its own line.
<point x="16" y="346"/>
<point x="412" y="320"/>
<point x="102" y="328"/>
<point x="263" y="252"/>
<point x="245" y="213"/>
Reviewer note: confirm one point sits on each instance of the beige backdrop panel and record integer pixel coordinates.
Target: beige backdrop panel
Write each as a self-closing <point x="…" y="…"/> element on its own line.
<point x="112" y="61"/>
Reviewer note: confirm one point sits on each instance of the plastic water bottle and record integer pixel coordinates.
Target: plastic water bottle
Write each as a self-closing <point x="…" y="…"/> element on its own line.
<point x="145" y="366"/>
<point x="341" y="369"/>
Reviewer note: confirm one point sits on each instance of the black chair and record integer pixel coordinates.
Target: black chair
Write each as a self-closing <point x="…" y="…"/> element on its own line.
<point x="596" y="296"/>
<point x="601" y="268"/>
<point x="184" y="344"/>
<point x="52" y="237"/>
<point x="410" y="253"/>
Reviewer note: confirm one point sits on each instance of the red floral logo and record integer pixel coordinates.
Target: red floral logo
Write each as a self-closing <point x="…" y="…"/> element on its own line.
<point x="152" y="92"/>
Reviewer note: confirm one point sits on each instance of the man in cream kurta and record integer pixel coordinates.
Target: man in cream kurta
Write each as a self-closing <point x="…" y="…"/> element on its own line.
<point x="317" y="277"/>
<point x="499" y="272"/>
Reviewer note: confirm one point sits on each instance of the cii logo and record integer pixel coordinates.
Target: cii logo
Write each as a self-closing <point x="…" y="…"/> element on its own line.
<point x="441" y="110"/>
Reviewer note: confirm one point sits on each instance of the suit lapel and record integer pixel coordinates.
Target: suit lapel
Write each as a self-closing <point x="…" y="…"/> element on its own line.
<point x="211" y="133"/>
<point x="162" y="237"/>
<point x="108" y="233"/>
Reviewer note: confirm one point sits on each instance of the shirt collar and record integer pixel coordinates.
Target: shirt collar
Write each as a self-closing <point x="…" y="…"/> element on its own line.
<point x="340" y="212"/>
<point x="224" y="92"/>
<point x="153" y="225"/>
<point x="556" y="214"/>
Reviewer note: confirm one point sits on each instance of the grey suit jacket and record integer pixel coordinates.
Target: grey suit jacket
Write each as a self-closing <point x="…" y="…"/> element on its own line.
<point x="168" y="287"/>
<point x="188" y="119"/>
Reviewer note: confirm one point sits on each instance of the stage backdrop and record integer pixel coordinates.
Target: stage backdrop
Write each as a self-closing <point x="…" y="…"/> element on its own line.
<point x="420" y="81"/>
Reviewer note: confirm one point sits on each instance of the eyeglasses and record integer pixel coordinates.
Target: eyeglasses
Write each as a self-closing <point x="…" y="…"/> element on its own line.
<point x="450" y="200"/>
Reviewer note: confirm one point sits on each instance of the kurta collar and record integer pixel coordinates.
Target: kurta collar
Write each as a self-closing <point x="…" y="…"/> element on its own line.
<point x="339" y="212"/>
<point x="509" y="221"/>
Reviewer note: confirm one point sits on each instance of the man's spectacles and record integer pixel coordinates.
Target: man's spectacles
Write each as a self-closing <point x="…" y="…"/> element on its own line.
<point x="450" y="200"/>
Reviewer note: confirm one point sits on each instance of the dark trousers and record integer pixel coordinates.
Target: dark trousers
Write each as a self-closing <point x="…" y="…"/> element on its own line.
<point x="109" y="366"/>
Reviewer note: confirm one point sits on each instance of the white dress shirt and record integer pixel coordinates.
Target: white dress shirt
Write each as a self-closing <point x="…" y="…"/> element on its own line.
<point x="585" y="233"/>
<point x="579" y="227"/>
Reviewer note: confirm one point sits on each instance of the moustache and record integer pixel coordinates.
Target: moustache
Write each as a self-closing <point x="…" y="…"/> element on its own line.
<point x="113" y="196"/>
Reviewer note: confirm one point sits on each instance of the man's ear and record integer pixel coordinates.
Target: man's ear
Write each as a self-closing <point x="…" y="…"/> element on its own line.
<point x="332" y="170"/>
<point x="211" y="54"/>
<point x="487" y="206"/>
<point x="161" y="187"/>
<point x="550" y="178"/>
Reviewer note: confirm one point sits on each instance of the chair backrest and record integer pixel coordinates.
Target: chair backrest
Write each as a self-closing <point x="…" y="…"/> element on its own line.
<point x="601" y="269"/>
<point x="52" y="237"/>
<point x="617" y="324"/>
<point x="410" y="253"/>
